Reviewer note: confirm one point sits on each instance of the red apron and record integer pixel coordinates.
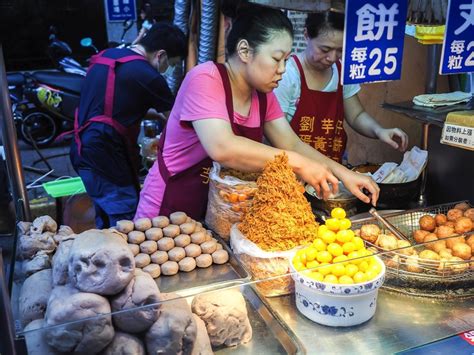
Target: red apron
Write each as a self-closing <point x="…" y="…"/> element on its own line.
<point x="187" y="190"/>
<point x="129" y="134"/>
<point x="319" y="117"/>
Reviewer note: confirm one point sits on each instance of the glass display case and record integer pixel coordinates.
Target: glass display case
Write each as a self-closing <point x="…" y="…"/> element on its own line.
<point x="207" y="308"/>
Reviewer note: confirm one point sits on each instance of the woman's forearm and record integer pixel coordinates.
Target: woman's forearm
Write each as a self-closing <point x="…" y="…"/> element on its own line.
<point x="311" y="153"/>
<point x="366" y="125"/>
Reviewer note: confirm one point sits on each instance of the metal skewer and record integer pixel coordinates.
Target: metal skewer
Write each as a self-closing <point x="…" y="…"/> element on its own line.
<point x="387" y="224"/>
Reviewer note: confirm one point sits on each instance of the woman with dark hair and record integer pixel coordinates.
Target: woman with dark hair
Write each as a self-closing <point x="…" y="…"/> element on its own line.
<point x="147" y="19"/>
<point x="223" y="111"/>
<point x="314" y="101"/>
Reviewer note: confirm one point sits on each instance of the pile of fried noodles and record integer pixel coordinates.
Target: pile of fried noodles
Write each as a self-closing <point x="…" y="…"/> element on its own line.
<point x="280" y="217"/>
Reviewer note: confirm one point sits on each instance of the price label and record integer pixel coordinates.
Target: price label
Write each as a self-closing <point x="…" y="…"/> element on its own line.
<point x="458" y="45"/>
<point x="373" y="40"/>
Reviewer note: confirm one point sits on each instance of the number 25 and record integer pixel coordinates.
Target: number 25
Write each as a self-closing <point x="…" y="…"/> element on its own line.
<point x="389" y="59"/>
<point x="470" y="60"/>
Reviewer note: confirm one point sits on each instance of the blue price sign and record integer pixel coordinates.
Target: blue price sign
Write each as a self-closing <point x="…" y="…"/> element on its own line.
<point x="119" y="10"/>
<point x="373" y="40"/>
<point x="458" y="46"/>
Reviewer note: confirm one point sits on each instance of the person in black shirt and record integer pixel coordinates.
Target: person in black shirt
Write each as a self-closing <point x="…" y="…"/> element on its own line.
<point x="121" y="86"/>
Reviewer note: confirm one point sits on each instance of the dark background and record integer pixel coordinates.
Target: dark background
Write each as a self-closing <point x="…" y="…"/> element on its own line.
<point x="24" y="28"/>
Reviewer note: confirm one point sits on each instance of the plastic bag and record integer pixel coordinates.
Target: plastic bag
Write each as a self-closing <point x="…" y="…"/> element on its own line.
<point x="229" y="198"/>
<point x="263" y="264"/>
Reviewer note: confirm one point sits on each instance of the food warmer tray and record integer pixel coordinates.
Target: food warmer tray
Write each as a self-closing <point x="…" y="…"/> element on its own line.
<point x="428" y="283"/>
<point x="227" y="274"/>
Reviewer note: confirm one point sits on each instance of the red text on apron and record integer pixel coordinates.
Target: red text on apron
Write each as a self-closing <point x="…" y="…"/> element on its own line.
<point x="128" y="134"/>
<point x="319" y="118"/>
<point x="187" y="190"/>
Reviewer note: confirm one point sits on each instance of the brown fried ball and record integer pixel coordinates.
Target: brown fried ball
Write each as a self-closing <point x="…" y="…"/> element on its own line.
<point x="463" y="206"/>
<point x="462" y="250"/>
<point x="453" y="240"/>
<point x="429" y="257"/>
<point x="393" y="262"/>
<point x="470" y="241"/>
<point x="438" y="246"/>
<point x="440" y="219"/>
<point x="444" y="253"/>
<point x="463" y="225"/>
<point x="405" y="244"/>
<point x="444" y="231"/>
<point x="429" y="239"/>
<point x="469" y="213"/>
<point x="449" y="224"/>
<point x="387" y="242"/>
<point x="419" y="235"/>
<point x="427" y="223"/>
<point x="412" y="264"/>
<point x="370" y="232"/>
<point x="454" y="214"/>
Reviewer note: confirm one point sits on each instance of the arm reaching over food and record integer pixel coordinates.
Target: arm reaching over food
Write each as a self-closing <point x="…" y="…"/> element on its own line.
<point x="353" y="181"/>
<point x="364" y="124"/>
<point x="246" y="155"/>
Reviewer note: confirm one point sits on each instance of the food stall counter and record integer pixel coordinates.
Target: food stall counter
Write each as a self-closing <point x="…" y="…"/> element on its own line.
<point x="400" y="322"/>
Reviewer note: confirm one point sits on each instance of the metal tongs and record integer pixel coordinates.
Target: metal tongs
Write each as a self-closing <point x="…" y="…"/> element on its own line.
<point x="388" y="225"/>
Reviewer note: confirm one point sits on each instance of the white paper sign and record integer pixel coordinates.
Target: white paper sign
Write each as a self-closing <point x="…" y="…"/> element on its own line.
<point x="458" y="136"/>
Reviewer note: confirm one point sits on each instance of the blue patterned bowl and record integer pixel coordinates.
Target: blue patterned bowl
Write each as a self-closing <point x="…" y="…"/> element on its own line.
<point x="336" y="304"/>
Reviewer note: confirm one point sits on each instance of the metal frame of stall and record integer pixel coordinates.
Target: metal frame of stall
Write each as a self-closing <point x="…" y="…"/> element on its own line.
<point x="22" y="207"/>
<point x="182" y="13"/>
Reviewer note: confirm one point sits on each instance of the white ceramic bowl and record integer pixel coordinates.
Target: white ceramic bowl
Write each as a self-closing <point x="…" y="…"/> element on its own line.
<point x="336" y="305"/>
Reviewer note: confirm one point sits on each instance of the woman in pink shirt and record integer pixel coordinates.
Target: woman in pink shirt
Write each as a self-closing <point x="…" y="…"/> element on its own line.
<point x="223" y="111"/>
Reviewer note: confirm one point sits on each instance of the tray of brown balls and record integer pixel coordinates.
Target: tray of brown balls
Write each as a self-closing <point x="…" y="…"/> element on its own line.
<point x="436" y="259"/>
<point x="178" y="252"/>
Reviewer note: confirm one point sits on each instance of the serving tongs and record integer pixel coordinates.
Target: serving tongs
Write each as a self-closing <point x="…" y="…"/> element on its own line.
<point x="388" y="225"/>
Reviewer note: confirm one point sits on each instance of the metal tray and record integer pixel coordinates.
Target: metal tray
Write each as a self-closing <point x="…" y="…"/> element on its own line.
<point x="429" y="282"/>
<point x="270" y="335"/>
<point x="231" y="272"/>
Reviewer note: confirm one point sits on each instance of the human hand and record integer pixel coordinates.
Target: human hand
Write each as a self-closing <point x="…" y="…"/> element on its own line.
<point x="355" y="182"/>
<point x="320" y="177"/>
<point x="391" y="136"/>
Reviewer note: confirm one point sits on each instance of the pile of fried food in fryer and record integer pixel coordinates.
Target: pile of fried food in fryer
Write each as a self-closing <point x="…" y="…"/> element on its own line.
<point x="449" y="243"/>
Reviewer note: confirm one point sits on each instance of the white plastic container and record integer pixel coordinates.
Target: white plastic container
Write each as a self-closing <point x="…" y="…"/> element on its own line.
<point x="336" y="305"/>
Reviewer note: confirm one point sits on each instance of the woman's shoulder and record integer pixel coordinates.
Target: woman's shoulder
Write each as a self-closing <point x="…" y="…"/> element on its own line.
<point x="203" y="77"/>
<point x="208" y="69"/>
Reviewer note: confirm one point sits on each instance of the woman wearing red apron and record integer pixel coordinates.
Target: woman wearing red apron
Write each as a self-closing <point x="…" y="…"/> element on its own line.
<point x="315" y="102"/>
<point x="222" y="112"/>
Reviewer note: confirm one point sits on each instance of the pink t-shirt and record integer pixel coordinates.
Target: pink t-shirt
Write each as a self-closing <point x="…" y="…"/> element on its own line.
<point x="201" y="96"/>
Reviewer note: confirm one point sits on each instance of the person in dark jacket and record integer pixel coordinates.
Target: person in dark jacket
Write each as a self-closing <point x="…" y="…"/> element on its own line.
<point x="121" y="86"/>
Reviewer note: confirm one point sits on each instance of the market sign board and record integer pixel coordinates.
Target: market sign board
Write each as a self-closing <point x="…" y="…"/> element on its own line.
<point x="458" y="46"/>
<point x="120" y="10"/>
<point x="373" y="40"/>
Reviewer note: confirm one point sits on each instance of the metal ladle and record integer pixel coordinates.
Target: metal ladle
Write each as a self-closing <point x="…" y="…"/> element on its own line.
<point x="387" y="224"/>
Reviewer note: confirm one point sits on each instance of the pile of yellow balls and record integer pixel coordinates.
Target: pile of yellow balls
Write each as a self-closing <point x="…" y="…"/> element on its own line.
<point x="337" y="256"/>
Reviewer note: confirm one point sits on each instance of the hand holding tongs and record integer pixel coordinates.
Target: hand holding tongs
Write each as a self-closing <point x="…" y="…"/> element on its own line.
<point x="387" y="224"/>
